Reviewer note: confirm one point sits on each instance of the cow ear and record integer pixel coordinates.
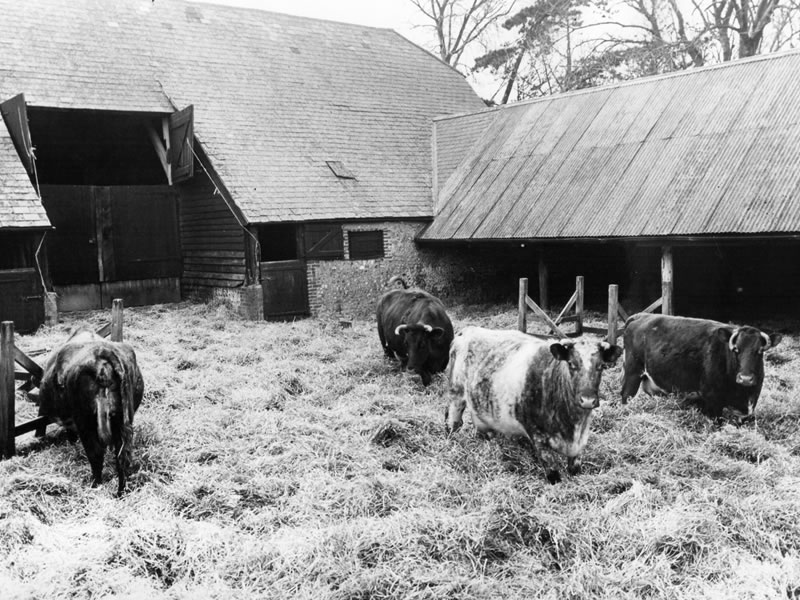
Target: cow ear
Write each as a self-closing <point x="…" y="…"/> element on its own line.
<point x="436" y="333"/>
<point x="560" y="351"/>
<point x="610" y="352"/>
<point x="725" y="335"/>
<point x="774" y="339"/>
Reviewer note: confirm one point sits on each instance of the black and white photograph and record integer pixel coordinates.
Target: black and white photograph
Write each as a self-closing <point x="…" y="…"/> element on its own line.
<point x="400" y="299"/>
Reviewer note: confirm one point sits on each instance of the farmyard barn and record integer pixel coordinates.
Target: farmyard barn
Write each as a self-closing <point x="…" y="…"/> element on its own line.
<point x="280" y="162"/>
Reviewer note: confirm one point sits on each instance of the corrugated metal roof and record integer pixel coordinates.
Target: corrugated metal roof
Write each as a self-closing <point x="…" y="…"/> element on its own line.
<point x="19" y="204"/>
<point x="708" y="151"/>
<point x="275" y="96"/>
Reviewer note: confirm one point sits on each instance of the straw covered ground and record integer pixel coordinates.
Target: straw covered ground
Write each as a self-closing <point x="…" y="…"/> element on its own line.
<point x="291" y="460"/>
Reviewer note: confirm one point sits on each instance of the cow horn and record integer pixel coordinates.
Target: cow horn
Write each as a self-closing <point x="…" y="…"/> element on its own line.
<point x="732" y="341"/>
<point x="767" y="341"/>
<point x="400" y="329"/>
<point x="427" y="327"/>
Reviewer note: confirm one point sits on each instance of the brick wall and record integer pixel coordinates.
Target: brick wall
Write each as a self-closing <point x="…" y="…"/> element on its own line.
<point x="351" y="288"/>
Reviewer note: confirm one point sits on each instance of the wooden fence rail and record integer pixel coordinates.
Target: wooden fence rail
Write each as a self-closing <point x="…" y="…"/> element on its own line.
<point x="31" y="377"/>
<point x="615" y="312"/>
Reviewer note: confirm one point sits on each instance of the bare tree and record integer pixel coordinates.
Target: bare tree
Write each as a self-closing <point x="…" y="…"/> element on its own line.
<point x="460" y="24"/>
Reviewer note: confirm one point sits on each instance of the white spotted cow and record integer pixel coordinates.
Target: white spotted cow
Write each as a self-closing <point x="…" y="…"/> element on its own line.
<point x="519" y="385"/>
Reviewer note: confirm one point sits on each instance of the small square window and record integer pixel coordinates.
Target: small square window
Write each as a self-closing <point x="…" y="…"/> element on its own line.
<point x="365" y="244"/>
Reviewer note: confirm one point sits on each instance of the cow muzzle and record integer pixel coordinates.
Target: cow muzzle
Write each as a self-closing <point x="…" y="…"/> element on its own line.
<point x="745" y="380"/>
<point x="588" y="402"/>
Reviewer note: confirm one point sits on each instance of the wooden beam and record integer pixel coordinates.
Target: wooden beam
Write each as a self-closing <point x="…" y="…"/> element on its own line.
<point x="38" y="424"/>
<point x="161" y="150"/>
<point x="116" y="320"/>
<point x="570" y="303"/>
<point x="252" y="254"/>
<point x="652" y="306"/>
<point x="613" y="313"/>
<point x="579" y="304"/>
<point x="544" y="317"/>
<point x="522" y="313"/>
<point x="544" y="297"/>
<point x="30" y="366"/>
<point x="667" y="307"/>
<point x="7" y="391"/>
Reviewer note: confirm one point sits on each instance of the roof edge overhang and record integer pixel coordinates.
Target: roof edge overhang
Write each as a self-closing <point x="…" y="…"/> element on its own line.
<point x="208" y="168"/>
<point x="349" y="219"/>
<point x="671" y="240"/>
<point x="26" y="229"/>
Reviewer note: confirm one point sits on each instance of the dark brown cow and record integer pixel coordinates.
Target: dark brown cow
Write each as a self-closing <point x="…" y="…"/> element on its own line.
<point x="519" y="385"/>
<point x="93" y="387"/>
<point x="413" y="327"/>
<point x="723" y="364"/>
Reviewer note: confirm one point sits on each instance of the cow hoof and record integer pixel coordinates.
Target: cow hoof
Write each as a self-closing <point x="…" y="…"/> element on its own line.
<point x="574" y="469"/>
<point x="554" y="477"/>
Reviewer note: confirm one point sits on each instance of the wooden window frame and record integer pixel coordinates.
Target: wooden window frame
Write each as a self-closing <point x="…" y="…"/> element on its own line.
<point x="370" y="255"/>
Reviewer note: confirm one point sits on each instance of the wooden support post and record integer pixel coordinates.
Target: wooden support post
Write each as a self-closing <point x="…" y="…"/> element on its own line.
<point x="579" y="304"/>
<point x="522" y="316"/>
<point x="613" y="312"/>
<point x="544" y="300"/>
<point x="667" y="307"/>
<point x="7" y="389"/>
<point x="116" y="320"/>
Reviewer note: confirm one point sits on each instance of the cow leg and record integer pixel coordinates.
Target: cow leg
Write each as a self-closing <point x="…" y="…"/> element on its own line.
<point x="454" y="412"/>
<point x="631" y="377"/>
<point x="574" y="465"/>
<point x="122" y="452"/>
<point x="95" y="452"/>
<point x="384" y="345"/>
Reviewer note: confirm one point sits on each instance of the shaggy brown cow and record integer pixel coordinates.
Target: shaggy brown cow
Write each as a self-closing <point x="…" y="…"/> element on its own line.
<point x="520" y="385"/>
<point x="413" y="326"/>
<point x="723" y="364"/>
<point x="93" y="387"/>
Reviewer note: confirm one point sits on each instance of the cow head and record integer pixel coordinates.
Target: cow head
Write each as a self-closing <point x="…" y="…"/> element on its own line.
<point x="418" y="338"/>
<point x="585" y="363"/>
<point x="98" y="387"/>
<point x="747" y="346"/>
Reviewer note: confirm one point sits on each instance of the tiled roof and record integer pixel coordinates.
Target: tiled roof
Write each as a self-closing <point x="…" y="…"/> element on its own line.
<point x="19" y="204"/>
<point x="275" y="96"/>
<point x="712" y="151"/>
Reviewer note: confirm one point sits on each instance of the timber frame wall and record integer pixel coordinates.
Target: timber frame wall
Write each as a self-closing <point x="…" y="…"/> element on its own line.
<point x="212" y="240"/>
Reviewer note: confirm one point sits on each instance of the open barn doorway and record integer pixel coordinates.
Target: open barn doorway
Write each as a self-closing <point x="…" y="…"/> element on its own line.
<point x="114" y="213"/>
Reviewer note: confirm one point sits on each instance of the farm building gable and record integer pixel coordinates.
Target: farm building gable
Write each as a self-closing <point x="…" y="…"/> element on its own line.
<point x="277" y="98"/>
<point x="19" y="204"/>
<point x="712" y="151"/>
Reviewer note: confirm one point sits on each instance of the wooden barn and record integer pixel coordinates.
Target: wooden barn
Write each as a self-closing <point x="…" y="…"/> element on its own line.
<point x="280" y="163"/>
<point x="698" y="171"/>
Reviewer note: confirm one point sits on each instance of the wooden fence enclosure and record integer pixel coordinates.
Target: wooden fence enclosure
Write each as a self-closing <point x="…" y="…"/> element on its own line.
<point x="615" y="311"/>
<point x="30" y="374"/>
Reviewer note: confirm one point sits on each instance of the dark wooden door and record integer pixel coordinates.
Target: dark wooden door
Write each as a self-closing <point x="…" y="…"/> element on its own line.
<point x="72" y="248"/>
<point x="285" y="289"/>
<point x="21" y="298"/>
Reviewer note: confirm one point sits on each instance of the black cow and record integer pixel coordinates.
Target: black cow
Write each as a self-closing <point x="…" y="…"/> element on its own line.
<point x="93" y="387"/>
<point x="519" y="385"/>
<point x="720" y="365"/>
<point x="414" y="327"/>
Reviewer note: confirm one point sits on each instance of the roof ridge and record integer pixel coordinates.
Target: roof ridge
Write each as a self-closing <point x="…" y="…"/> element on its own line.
<point x="632" y="82"/>
<point x="283" y="14"/>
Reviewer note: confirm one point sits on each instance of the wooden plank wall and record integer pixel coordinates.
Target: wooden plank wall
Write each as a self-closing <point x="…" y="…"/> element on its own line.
<point x="212" y="241"/>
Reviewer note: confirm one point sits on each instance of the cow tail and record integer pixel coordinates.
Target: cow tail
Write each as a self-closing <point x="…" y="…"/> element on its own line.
<point x="126" y="391"/>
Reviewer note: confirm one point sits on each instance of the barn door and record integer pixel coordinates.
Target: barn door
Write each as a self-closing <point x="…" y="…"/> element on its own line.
<point x="15" y="115"/>
<point x="21" y="298"/>
<point x="181" y="139"/>
<point x="285" y="288"/>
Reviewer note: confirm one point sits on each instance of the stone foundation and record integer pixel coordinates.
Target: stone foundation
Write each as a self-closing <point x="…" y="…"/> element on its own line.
<point x="247" y="301"/>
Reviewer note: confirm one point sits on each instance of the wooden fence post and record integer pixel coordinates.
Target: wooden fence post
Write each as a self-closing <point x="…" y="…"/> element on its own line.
<point x="116" y="320"/>
<point x="544" y="300"/>
<point x="666" y="281"/>
<point x="7" y="390"/>
<point x="522" y="316"/>
<point x="579" y="304"/>
<point x="613" y="312"/>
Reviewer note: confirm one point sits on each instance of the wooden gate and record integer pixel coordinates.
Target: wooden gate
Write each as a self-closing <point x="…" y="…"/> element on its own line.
<point x="285" y="288"/>
<point x="113" y="242"/>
